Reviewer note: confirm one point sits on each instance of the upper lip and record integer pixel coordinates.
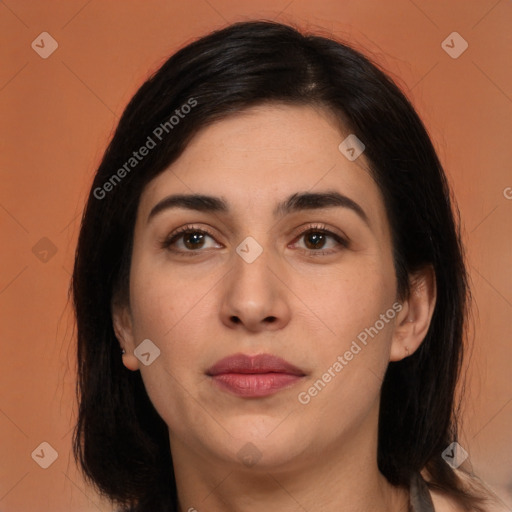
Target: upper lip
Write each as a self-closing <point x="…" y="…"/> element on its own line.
<point x="261" y="363"/>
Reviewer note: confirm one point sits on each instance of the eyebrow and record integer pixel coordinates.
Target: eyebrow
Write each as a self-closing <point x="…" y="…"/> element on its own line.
<point x="294" y="203"/>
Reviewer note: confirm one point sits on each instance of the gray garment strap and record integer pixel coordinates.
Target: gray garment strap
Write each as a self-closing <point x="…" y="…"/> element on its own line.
<point x="420" y="499"/>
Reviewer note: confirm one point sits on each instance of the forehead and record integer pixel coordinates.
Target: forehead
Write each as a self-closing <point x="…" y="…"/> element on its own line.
<point x="256" y="158"/>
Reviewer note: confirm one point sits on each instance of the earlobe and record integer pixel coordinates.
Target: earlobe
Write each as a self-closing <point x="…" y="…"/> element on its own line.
<point x="122" y="324"/>
<point x="413" y="321"/>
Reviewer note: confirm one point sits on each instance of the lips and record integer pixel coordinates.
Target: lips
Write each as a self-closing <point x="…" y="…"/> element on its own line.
<point x="263" y="363"/>
<point x="254" y="376"/>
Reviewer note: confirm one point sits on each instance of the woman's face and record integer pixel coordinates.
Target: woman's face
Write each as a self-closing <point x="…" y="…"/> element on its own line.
<point x="258" y="283"/>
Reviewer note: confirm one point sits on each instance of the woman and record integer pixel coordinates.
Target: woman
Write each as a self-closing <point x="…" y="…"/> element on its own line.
<point x="269" y="240"/>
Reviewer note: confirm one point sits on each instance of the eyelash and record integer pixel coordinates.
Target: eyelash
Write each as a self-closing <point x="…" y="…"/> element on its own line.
<point x="317" y="228"/>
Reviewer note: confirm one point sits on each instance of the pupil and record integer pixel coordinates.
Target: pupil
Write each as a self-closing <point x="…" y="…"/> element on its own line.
<point x="196" y="236"/>
<point x="318" y="237"/>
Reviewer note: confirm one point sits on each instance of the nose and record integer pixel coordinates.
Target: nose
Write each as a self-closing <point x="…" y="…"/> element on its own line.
<point x="255" y="296"/>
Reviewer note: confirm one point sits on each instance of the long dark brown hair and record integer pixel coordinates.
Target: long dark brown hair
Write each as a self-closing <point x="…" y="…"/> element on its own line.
<point x="120" y="441"/>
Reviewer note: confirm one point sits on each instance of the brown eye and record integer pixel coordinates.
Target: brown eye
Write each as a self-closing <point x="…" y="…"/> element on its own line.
<point x="315" y="239"/>
<point x="193" y="240"/>
<point x="189" y="240"/>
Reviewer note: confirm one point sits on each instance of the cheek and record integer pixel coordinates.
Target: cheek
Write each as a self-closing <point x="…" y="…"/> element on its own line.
<point x="352" y="355"/>
<point x="175" y="309"/>
<point x="162" y="298"/>
<point x="342" y="303"/>
<point x="164" y="308"/>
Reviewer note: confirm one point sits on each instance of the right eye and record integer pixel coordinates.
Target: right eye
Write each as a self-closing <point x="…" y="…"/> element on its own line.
<point x="191" y="238"/>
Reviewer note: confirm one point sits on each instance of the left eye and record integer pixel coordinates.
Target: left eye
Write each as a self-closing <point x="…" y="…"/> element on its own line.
<point x="315" y="237"/>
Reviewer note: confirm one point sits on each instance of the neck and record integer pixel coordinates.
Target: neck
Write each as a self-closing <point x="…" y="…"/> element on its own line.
<point x="342" y="476"/>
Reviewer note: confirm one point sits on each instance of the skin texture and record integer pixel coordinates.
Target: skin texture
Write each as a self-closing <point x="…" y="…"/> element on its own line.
<point x="302" y="307"/>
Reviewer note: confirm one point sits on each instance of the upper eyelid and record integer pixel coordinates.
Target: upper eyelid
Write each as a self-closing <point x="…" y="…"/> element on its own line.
<point x="211" y="231"/>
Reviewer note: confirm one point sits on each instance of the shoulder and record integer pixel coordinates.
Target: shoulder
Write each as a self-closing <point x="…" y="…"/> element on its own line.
<point x="443" y="503"/>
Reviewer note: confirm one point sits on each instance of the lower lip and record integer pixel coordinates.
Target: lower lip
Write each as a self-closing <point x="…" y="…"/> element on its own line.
<point x="255" y="385"/>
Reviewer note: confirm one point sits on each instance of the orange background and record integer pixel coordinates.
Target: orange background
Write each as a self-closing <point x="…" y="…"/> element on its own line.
<point x="58" y="114"/>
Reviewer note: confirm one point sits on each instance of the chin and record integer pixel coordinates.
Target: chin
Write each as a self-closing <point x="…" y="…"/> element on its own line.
<point x="266" y="449"/>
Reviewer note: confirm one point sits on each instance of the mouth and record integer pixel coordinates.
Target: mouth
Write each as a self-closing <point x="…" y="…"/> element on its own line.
<point x="254" y="376"/>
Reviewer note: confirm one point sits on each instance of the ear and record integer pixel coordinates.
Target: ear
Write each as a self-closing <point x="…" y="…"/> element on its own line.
<point x="413" y="321"/>
<point x="123" y="328"/>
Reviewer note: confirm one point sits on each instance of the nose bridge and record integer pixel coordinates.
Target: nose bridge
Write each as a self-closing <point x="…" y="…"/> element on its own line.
<point x="252" y="261"/>
<point x="253" y="294"/>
